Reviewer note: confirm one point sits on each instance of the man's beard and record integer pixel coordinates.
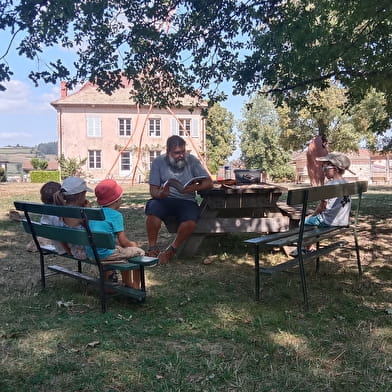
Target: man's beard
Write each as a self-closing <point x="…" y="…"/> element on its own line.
<point x="177" y="164"/>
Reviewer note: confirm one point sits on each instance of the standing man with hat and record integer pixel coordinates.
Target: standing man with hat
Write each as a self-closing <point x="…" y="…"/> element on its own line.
<point x="168" y="201"/>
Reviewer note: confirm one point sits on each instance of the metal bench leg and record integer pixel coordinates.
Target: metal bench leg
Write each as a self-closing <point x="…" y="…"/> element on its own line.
<point x="142" y="278"/>
<point x="42" y="265"/>
<point x="102" y="291"/>
<point x="257" y="273"/>
<point x="303" y="282"/>
<point x="318" y="258"/>
<point x="357" y="251"/>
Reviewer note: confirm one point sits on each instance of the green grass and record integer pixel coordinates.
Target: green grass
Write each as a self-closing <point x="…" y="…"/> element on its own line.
<point x="200" y="329"/>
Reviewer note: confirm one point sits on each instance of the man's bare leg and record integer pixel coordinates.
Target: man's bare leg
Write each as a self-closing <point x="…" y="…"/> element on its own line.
<point x="153" y="225"/>
<point x="184" y="231"/>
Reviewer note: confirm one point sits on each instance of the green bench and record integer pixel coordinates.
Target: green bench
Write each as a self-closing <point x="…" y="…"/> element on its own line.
<point x="304" y="235"/>
<point x="84" y="237"/>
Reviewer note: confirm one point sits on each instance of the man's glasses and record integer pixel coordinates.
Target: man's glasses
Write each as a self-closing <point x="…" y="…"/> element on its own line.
<point x="178" y="152"/>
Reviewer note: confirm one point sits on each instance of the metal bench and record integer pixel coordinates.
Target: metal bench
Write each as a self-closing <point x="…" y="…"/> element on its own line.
<point x="84" y="237"/>
<point x="305" y="235"/>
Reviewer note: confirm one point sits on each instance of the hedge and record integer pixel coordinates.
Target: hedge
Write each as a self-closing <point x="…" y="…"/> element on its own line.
<point x="43" y="176"/>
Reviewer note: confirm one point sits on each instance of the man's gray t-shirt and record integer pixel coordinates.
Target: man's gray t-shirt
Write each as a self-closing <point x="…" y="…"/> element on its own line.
<point x="337" y="211"/>
<point x="161" y="171"/>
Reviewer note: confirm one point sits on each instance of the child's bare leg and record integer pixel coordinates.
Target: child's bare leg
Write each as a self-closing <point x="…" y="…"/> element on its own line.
<point x="127" y="278"/>
<point x="136" y="279"/>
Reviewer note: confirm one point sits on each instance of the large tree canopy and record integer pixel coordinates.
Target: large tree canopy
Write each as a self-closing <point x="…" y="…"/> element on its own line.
<point x="173" y="47"/>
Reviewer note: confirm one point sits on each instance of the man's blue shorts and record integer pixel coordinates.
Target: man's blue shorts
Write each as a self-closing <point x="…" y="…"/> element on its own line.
<point x="183" y="210"/>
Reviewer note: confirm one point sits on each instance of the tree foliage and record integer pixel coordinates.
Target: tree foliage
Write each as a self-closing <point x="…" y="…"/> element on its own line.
<point x="39" y="164"/>
<point x="71" y="166"/>
<point x="326" y="113"/>
<point x="47" y="148"/>
<point x="172" y="47"/>
<point x="220" y="139"/>
<point x="260" y="139"/>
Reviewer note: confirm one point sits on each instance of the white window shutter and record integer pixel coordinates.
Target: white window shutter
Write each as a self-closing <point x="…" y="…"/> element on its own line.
<point x="174" y="126"/>
<point x="195" y="127"/>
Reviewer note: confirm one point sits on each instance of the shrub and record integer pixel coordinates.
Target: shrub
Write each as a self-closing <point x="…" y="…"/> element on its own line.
<point x="3" y="177"/>
<point x="42" y="176"/>
<point x="39" y="164"/>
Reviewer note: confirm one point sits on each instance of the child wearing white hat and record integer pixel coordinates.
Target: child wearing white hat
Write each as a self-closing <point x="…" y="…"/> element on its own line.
<point x="73" y="193"/>
<point x="335" y="211"/>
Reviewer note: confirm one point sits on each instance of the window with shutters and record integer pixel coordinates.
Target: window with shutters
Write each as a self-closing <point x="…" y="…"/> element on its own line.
<point x="124" y="126"/>
<point x="154" y="127"/>
<point x="184" y="126"/>
<point x="94" y="159"/>
<point x="125" y="163"/>
<point x="94" y="127"/>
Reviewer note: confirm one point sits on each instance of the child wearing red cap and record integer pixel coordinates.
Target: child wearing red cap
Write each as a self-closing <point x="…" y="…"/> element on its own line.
<point x="108" y="193"/>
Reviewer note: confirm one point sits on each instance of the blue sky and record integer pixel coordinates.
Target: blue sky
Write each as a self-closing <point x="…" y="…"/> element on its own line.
<point x="26" y="116"/>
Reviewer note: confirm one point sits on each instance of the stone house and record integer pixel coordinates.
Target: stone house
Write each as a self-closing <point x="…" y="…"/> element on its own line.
<point x="119" y="139"/>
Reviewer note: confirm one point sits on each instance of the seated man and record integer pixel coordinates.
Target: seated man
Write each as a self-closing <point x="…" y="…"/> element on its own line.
<point x="168" y="201"/>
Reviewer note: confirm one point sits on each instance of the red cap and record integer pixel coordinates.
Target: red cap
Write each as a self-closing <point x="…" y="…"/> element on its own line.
<point x="107" y="192"/>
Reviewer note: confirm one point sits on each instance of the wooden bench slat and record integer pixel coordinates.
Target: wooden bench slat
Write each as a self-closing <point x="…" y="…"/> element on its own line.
<point x="68" y="212"/>
<point x="296" y="196"/>
<point x="306" y="258"/>
<point x="313" y="233"/>
<point x="69" y="234"/>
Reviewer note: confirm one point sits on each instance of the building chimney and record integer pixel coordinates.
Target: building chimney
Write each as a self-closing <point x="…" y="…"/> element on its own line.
<point x="64" y="91"/>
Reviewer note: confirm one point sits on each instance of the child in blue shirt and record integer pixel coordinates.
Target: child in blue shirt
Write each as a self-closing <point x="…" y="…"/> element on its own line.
<point x="108" y="193"/>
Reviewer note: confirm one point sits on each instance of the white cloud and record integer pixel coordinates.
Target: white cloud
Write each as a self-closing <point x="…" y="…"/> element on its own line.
<point x="19" y="96"/>
<point x="4" y="136"/>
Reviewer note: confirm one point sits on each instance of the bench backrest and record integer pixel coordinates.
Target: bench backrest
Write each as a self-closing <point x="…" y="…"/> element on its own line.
<point x="316" y="193"/>
<point x="71" y="235"/>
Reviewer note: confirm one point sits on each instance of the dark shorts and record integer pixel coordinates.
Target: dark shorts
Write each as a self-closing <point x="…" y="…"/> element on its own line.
<point x="183" y="210"/>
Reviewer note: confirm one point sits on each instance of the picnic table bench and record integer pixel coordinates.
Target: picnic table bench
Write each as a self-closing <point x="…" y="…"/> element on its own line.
<point x="304" y="235"/>
<point x="85" y="237"/>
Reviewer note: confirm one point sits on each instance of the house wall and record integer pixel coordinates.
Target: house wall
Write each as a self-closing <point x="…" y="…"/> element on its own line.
<point x="75" y="143"/>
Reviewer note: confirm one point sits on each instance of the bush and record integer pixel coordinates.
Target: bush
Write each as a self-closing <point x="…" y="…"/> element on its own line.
<point x="3" y="177"/>
<point x="41" y="176"/>
<point x="39" y="164"/>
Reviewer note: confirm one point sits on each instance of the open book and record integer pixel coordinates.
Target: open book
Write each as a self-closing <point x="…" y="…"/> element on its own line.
<point x="179" y="186"/>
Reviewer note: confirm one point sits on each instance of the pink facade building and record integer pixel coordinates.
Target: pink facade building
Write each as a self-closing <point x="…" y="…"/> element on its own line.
<point x="118" y="138"/>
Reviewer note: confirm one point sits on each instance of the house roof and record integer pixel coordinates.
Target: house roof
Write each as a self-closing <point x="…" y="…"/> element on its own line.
<point x="88" y="94"/>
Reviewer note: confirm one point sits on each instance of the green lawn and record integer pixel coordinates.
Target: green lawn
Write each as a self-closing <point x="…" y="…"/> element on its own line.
<point x="200" y="329"/>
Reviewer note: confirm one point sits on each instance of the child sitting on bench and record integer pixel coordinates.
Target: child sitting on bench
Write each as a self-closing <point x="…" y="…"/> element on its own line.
<point x="335" y="211"/>
<point x="108" y="193"/>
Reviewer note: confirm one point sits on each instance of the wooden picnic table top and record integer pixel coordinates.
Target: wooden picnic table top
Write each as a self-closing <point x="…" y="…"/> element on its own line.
<point x="245" y="188"/>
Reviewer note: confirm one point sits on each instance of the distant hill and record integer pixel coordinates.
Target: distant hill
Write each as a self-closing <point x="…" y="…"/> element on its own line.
<point x="14" y="156"/>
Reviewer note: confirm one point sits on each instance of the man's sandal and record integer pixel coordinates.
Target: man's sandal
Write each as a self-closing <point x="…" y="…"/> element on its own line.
<point x="167" y="254"/>
<point x="153" y="251"/>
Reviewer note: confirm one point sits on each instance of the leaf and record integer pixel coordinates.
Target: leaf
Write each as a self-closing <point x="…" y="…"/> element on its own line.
<point x="93" y="344"/>
<point x="66" y="304"/>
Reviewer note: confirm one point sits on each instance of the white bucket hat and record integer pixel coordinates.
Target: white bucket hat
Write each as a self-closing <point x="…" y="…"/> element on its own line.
<point x="337" y="159"/>
<point x="74" y="185"/>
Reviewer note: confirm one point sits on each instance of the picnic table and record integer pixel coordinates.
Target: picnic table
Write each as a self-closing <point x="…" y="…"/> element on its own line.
<point x="252" y="208"/>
